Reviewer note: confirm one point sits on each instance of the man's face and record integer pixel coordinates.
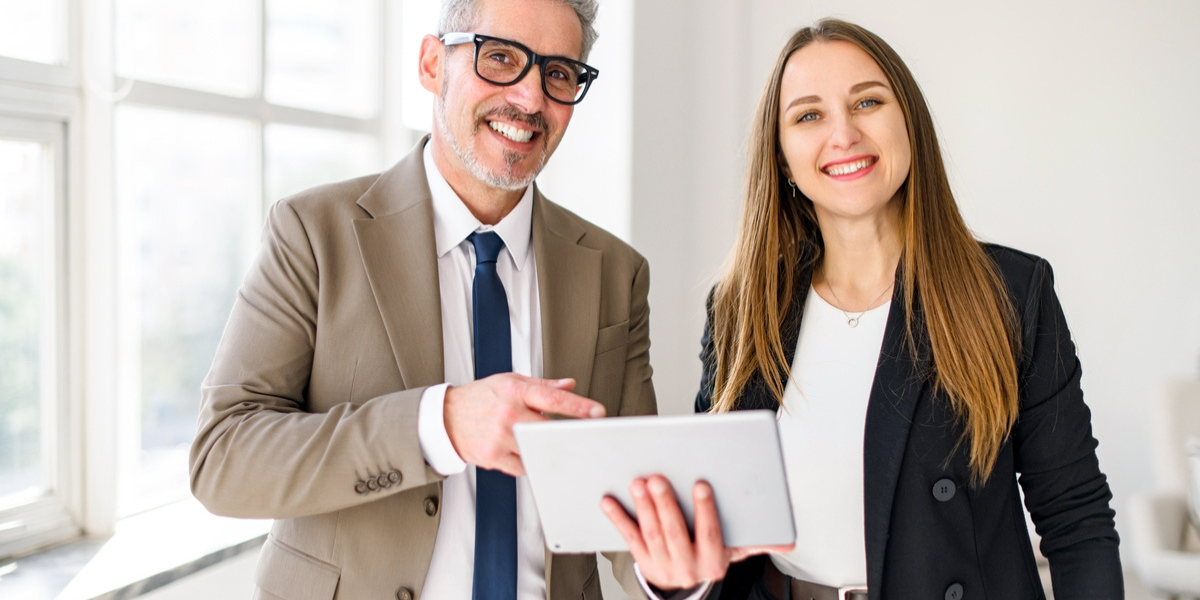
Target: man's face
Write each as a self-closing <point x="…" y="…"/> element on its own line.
<point x="503" y="135"/>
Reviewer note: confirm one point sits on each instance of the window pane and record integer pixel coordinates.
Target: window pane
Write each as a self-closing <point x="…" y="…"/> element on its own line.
<point x="324" y="55"/>
<point x="188" y="191"/>
<point x="33" y="30"/>
<point x="211" y="45"/>
<point x="302" y="157"/>
<point x="26" y="199"/>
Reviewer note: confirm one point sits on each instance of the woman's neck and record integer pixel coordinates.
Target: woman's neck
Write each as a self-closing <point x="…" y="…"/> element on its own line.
<point x="859" y="263"/>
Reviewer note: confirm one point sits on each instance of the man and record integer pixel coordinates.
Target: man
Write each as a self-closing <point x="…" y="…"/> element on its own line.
<point x="396" y="326"/>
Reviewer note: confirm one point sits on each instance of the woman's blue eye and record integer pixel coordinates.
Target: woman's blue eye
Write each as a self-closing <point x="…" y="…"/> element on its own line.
<point x="807" y="117"/>
<point x="868" y="103"/>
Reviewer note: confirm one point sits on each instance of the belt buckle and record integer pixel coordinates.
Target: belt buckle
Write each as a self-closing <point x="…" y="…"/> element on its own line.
<point x="844" y="592"/>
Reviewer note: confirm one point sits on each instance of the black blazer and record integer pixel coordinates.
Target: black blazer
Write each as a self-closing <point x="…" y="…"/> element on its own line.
<point x="921" y="541"/>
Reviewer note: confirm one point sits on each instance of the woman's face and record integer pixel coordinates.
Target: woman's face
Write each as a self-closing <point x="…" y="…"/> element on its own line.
<point x="841" y="130"/>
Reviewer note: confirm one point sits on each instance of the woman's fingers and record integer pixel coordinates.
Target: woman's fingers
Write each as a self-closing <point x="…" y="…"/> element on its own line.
<point x="626" y="527"/>
<point x="711" y="558"/>
<point x="670" y="517"/>
<point x="647" y="517"/>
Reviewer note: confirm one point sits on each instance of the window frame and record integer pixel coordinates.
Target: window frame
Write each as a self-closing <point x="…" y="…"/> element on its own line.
<point x="81" y="96"/>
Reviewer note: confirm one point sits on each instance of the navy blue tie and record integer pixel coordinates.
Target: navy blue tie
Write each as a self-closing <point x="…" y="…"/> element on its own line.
<point x="495" y="492"/>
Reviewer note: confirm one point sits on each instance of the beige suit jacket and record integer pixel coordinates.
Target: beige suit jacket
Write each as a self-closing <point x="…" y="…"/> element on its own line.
<point x="310" y="410"/>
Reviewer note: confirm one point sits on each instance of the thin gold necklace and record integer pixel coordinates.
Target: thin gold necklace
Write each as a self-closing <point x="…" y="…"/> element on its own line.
<point x="853" y="321"/>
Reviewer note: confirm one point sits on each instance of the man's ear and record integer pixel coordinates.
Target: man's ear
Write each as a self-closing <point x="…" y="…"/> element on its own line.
<point x="430" y="69"/>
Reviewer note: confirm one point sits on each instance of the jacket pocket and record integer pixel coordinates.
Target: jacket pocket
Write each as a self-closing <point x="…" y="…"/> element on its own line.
<point x="289" y="573"/>
<point x="612" y="337"/>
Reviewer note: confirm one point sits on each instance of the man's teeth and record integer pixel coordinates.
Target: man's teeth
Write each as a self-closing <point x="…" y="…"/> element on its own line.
<point x="513" y="133"/>
<point x="848" y="168"/>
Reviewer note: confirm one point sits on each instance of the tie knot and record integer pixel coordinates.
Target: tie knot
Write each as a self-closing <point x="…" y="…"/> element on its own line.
<point x="487" y="246"/>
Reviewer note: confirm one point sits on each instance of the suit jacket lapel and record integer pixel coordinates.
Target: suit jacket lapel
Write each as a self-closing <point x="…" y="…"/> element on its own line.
<point x="400" y="257"/>
<point x="568" y="277"/>
<point x="900" y="379"/>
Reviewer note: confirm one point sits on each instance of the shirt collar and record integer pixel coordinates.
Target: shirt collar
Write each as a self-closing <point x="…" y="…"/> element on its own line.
<point x="453" y="221"/>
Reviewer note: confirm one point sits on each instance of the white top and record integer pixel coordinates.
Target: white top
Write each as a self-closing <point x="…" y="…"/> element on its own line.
<point x="821" y="427"/>
<point x="451" y="570"/>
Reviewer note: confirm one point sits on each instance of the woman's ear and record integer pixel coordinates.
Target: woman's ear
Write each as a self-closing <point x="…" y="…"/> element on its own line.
<point x="783" y="166"/>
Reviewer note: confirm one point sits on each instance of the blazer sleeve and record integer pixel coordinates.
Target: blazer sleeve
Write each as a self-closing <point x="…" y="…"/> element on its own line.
<point x="1066" y="493"/>
<point x="708" y="358"/>
<point x="258" y="453"/>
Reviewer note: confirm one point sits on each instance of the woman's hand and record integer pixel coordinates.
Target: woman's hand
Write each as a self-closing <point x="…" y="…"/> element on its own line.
<point x="660" y="543"/>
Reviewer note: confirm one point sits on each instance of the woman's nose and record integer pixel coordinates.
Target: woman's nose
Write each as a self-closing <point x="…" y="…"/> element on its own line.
<point x="845" y="131"/>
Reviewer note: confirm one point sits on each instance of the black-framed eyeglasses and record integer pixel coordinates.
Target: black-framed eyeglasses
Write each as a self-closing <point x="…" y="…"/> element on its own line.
<point x="505" y="62"/>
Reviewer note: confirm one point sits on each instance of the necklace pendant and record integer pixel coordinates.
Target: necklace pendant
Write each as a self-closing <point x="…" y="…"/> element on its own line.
<point x="853" y="322"/>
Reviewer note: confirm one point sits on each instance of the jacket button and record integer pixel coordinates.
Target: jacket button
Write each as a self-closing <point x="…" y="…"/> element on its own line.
<point x="394" y="476"/>
<point x="944" y="490"/>
<point x="431" y="506"/>
<point x="404" y="594"/>
<point x="383" y="481"/>
<point x="372" y="484"/>
<point x="360" y="487"/>
<point x="954" y="592"/>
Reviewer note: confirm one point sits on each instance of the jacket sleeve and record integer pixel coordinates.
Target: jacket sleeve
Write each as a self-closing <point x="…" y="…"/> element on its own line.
<point x="1066" y="493"/>
<point x="708" y="359"/>
<point x="258" y="453"/>
<point x="637" y="398"/>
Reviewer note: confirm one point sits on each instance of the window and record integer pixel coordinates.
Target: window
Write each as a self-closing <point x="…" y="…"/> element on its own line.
<point x="231" y="105"/>
<point x="34" y="475"/>
<point x="133" y="186"/>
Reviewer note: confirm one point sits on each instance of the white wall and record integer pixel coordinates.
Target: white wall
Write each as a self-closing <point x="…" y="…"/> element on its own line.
<point x="1070" y="133"/>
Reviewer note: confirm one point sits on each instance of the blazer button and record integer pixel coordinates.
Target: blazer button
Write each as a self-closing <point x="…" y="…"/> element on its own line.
<point x="372" y="484"/>
<point x="944" y="490"/>
<point x="360" y="487"/>
<point x="431" y="506"/>
<point x="404" y="594"/>
<point x="394" y="476"/>
<point x="954" y="592"/>
<point x="383" y="482"/>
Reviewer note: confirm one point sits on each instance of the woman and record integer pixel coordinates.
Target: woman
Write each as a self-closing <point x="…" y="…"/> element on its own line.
<point x="916" y="371"/>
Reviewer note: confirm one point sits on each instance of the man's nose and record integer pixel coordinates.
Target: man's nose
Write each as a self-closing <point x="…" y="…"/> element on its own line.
<point x="527" y="93"/>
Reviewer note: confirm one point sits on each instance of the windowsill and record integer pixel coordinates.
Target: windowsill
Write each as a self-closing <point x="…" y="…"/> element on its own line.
<point x="148" y="551"/>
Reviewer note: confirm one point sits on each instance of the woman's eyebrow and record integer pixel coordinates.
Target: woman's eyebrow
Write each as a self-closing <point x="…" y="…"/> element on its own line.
<point x="858" y="87"/>
<point x="804" y="100"/>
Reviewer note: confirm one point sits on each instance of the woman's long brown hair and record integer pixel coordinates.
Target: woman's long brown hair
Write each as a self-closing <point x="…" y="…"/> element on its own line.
<point x="967" y="317"/>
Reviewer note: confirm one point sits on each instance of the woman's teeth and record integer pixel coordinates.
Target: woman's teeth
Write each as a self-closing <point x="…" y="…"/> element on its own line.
<point x="848" y="168"/>
<point x="513" y="133"/>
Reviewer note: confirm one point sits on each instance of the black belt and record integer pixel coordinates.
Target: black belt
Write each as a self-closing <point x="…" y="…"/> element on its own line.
<point x="780" y="585"/>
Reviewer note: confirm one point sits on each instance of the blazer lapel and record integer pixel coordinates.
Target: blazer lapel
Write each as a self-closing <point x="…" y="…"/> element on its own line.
<point x="899" y="380"/>
<point x="568" y="277"/>
<point x="400" y="256"/>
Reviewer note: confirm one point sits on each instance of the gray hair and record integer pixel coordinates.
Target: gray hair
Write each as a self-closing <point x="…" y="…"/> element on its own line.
<point x="463" y="15"/>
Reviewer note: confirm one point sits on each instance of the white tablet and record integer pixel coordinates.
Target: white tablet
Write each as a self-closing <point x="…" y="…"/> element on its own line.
<point x="573" y="464"/>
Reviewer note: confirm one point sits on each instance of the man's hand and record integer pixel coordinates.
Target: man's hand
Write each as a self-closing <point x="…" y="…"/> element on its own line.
<point x="660" y="543"/>
<point x="480" y="416"/>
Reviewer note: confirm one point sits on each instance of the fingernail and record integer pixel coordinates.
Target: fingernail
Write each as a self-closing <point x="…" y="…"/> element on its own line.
<point x="703" y="492"/>
<point x="596" y="412"/>
<point x="657" y="486"/>
<point x="638" y="491"/>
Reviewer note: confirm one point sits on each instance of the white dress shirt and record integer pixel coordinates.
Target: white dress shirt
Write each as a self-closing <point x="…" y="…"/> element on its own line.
<point x="821" y="426"/>
<point x="452" y="567"/>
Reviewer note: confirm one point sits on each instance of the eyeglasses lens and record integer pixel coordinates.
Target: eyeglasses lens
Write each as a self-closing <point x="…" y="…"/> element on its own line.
<point x="502" y="64"/>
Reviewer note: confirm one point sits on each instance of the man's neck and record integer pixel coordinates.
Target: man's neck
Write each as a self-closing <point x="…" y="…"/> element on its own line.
<point x="488" y="204"/>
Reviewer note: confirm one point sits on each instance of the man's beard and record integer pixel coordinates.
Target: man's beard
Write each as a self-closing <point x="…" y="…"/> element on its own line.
<point x="507" y="180"/>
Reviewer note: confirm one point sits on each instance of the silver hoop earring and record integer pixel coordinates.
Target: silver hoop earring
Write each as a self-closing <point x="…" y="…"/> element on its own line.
<point x="792" y="185"/>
